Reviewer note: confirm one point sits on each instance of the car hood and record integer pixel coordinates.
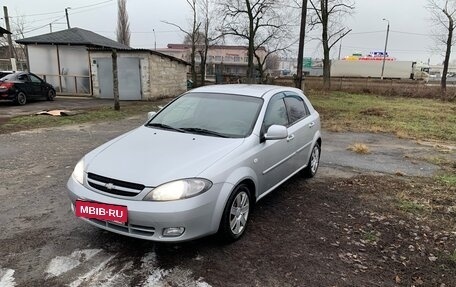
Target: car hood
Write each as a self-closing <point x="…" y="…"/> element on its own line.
<point x="152" y="156"/>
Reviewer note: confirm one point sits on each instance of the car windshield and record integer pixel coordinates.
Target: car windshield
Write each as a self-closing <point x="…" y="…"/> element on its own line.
<point x="218" y="115"/>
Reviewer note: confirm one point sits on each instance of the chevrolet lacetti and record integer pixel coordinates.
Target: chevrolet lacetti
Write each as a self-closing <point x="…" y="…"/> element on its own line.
<point x="197" y="166"/>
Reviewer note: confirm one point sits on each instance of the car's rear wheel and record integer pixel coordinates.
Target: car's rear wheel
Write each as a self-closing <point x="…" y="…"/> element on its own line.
<point x="51" y="95"/>
<point x="314" y="162"/>
<point x="236" y="214"/>
<point x="21" y="98"/>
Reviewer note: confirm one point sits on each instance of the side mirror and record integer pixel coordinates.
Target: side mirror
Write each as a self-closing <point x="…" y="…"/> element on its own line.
<point x="276" y="132"/>
<point x="151" y="115"/>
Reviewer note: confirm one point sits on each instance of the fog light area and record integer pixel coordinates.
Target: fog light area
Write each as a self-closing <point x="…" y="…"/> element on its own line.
<point x="173" y="231"/>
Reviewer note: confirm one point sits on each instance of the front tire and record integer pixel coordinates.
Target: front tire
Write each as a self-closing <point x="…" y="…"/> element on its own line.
<point x="21" y="98"/>
<point x="236" y="214"/>
<point x="314" y="162"/>
<point x="51" y="95"/>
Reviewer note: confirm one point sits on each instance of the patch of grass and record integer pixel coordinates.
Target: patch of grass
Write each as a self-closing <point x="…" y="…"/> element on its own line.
<point x="370" y="236"/>
<point x="448" y="179"/>
<point x="92" y="115"/>
<point x="452" y="257"/>
<point x="406" y="117"/>
<point x="411" y="206"/>
<point x="359" y="148"/>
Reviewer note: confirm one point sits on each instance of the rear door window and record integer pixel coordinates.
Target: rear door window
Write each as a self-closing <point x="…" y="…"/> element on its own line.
<point x="296" y="108"/>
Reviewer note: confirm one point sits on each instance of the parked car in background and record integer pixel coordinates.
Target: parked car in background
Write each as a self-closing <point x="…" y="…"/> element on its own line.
<point x="198" y="165"/>
<point x="21" y="87"/>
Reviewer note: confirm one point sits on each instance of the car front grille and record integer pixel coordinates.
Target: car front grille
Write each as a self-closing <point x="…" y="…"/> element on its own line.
<point x="128" y="228"/>
<point x="114" y="186"/>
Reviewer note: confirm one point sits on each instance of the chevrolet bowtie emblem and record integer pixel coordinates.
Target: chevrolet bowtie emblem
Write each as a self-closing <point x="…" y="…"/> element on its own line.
<point x="109" y="186"/>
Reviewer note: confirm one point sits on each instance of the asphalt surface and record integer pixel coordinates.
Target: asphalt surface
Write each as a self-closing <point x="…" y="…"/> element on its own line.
<point x="43" y="244"/>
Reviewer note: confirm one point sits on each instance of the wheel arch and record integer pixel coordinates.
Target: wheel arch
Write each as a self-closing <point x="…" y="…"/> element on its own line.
<point x="242" y="175"/>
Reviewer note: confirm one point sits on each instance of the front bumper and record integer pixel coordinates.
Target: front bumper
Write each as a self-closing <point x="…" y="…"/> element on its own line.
<point x="148" y="219"/>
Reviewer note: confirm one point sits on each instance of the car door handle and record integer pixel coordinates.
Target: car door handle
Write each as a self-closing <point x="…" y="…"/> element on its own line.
<point x="290" y="137"/>
<point x="311" y="124"/>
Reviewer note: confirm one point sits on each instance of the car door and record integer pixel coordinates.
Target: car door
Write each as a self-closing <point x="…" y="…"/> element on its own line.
<point x="36" y="86"/>
<point x="275" y="156"/>
<point x="24" y="84"/>
<point x="302" y="126"/>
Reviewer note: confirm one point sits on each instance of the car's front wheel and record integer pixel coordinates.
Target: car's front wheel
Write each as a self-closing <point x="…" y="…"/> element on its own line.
<point x="236" y="214"/>
<point x="314" y="162"/>
<point x="51" y="95"/>
<point x="21" y="98"/>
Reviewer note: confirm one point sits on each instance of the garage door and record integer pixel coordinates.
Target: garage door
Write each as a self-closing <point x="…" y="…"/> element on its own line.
<point x="129" y="74"/>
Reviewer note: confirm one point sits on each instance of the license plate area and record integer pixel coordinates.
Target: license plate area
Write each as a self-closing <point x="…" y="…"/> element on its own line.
<point x="101" y="211"/>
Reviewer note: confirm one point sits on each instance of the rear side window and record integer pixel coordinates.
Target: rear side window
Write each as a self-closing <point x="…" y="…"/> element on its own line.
<point x="22" y="77"/>
<point x="296" y="108"/>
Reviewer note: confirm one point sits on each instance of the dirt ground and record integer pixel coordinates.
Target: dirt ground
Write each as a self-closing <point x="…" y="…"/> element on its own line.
<point x="348" y="226"/>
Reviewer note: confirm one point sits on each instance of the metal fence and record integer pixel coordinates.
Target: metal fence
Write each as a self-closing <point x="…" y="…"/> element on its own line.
<point x="387" y="87"/>
<point x="70" y="85"/>
<point x="5" y="65"/>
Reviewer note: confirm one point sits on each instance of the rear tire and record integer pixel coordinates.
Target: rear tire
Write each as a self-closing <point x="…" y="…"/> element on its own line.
<point x="21" y="98"/>
<point x="236" y="214"/>
<point x="314" y="162"/>
<point x="51" y="95"/>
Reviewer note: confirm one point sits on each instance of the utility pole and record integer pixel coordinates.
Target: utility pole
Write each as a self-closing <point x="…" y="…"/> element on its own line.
<point x="340" y="48"/>
<point x="68" y="19"/>
<point x="10" y="41"/>
<point x="386" y="45"/>
<point x="155" y="40"/>
<point x="50" y="27"/>
<point x="302" y="35"/>
<point x="115" y="80"/>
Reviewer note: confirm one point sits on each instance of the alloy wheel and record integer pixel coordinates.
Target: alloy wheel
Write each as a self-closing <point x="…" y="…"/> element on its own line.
<point x="239" y="213"/>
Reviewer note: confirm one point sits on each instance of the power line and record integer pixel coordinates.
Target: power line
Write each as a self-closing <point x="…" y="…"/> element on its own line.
<point x="58" y="12"/>
<point x="40" y="27"/>
<point x="79" y="12"/>
<point x="142" y="32"/>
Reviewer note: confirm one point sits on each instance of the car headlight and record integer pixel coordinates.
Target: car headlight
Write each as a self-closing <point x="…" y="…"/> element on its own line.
<point x="78" y="172"/>
<point x="179" y="189"/>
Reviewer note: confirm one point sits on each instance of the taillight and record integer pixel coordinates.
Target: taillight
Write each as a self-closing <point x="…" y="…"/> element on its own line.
<point x="6" y="85"/>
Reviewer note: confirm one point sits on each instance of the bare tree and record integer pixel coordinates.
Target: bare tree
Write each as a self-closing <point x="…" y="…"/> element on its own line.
<point x="302" y="35"/>
<point x="123" y="25"/>
<point x="443" y="13"/>
<point x="328" y="14"/>
<point x="205" y="39"/>
<point x="255" y="21"/>
<point x="18" y="26"/>
<point x="263" y="55"/>
<point x="193" y="36"/>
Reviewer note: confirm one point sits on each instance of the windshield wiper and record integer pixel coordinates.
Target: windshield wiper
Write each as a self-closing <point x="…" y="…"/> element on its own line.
<point x="204" y="132"/>
<point x="165" y="127"/>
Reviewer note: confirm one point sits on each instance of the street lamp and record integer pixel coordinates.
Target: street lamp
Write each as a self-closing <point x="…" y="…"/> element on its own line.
<point x="386" y="45"/>
<point x="155" y="40"/>
<point x="66" y="14"/>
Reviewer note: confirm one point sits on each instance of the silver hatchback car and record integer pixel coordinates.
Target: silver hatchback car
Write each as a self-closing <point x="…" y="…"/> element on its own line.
<point x="198" y="165"/>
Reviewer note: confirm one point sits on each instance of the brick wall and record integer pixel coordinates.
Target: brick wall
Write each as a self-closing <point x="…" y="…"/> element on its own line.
<point x="167" y="77"/>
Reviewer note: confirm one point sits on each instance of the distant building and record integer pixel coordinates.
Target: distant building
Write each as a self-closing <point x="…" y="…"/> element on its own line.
<point x="221" y="59"/>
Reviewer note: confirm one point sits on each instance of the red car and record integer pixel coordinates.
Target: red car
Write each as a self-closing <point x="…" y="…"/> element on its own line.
<point x="20" y="87"/>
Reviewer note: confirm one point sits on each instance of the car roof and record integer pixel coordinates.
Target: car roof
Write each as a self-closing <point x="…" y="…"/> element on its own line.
<point x="254" y="90"/>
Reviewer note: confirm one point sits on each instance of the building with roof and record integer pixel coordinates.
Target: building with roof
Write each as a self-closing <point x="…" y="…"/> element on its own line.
<point x="78" y="62"/>
<point x="221" y="59"/>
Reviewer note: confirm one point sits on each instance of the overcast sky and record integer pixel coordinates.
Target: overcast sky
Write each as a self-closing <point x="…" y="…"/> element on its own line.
<point x="409" y="38"/>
